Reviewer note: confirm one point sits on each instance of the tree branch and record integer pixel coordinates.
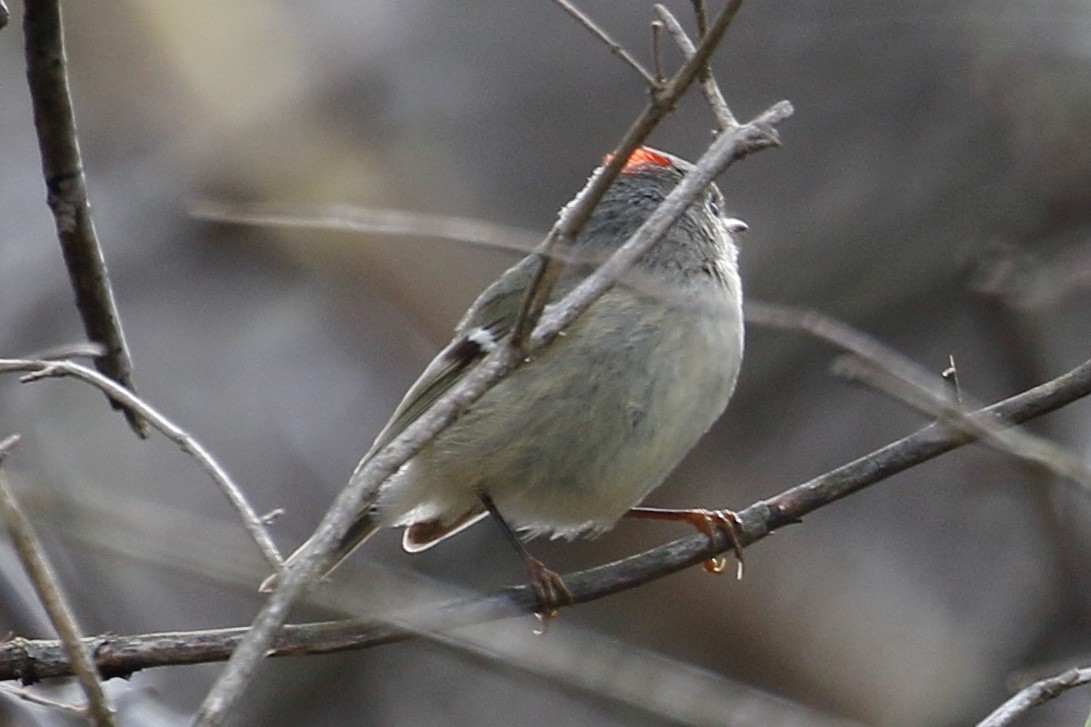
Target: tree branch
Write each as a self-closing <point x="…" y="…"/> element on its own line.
<point x="52" y="598"/>
<point x="66" y="189"/>
<point x="883" y="368"/>
<point x="1035" y="694"/>
<point x="576" y="213"/>
<point x="130" y="401"/>
<point x="119" y="656"/>
<point x="616" y="48"/>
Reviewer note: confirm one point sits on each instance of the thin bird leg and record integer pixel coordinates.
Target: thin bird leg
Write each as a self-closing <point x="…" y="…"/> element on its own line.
<point x="548" y="586"/>
<point x="707" y="521"/>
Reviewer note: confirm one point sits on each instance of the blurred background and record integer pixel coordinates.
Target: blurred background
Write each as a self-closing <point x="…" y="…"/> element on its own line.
<point x="934" y="189"/>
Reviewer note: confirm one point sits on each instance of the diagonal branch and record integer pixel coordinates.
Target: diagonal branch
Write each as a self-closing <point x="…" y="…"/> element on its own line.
<point x="66" y="189"/>
<point x="616" y="48"/>
<point x="885" y="369"/>
<point x="715" y="97"/>
<point x="362" y="488"/>
<point x="1035" y="694"/>
<point x="576" y="213"/>
<point x="120" y="656"/>
<point x="53" y="600"/>
<point x="37" y="369"/>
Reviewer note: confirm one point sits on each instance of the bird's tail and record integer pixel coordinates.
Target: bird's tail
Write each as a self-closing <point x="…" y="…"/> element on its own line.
<point x="360" y="530"/>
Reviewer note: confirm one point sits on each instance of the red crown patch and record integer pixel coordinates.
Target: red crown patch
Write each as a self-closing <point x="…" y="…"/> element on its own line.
<point x="642" y="156"/>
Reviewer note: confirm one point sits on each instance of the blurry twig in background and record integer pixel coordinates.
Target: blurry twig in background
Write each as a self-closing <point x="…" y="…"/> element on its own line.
<point x="38" y="369"/>
<point x="999" y="436"/>
<point x="340" y="218"/>
<point x="885" y="369"/>
<point x="66" y="189"/>
<point x="28" y="696"/>
<point x="758" y="520"/>
<point x="616" y="48"/>
<point x="1037" y="693"/>
<point x="159" y="540"/>
<point x="52" y="598"/>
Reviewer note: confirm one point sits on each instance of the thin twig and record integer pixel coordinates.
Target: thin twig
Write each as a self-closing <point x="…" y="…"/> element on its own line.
<point x="52" y="598"/>
<point x="572" y="658"/>
<point x="657" y="51"/>
<point x="123" y="655"/>
<point x="27" y="696"/>
<point x="950" y="375"/>
<point x="342" y="218"/>
<point x="576" y="213"/>
<point x="362" y="488"/>
<point x="125" y="398"/>
<point x="1021" y="445"/>
<point x="66" y="189"/>
<point x="711" y="89"/>
<point x="1035" y="694"/>
<point x="700" y="13"/>
<point x="901" y="378"/>
<point x="616" y="48"/>
<point x="838" y="334"/>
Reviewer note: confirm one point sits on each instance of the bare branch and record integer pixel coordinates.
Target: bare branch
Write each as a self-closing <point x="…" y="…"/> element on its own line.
<point x="66" y="189"/>
<point x="657" y="51"/>
<point x="26" y="696"/>
<point x="616" y="48"/>
<point x="715" y="97"/>
<point x="575" y="213"/>
<point x="123" y="655"/>
<point x="52" y="598"/>
<point x="572" y="658"/>
<point x="1035" y="694"/>
<point x="889" y="371"/>
<point x="342" y="218"/>
<point x="1022" y="445"/>
<point x="124" y="397"/>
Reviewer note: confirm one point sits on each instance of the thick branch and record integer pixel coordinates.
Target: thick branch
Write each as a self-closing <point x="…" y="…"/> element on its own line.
<point x="119" y="656"/>
<point x="66" y="190"/>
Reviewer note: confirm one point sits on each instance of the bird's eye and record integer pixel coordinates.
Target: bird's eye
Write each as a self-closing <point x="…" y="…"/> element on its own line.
<point x="714" y="206"/>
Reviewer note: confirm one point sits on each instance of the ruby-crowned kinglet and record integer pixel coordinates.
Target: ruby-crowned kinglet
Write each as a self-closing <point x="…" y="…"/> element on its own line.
<point x="572" y="440"/>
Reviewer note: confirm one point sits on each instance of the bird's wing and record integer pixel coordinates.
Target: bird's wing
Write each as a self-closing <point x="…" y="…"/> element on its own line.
<point x="487" y="322"/>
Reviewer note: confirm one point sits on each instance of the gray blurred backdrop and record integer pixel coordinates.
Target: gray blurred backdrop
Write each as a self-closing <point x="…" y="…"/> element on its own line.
<point x="933" y="189"/>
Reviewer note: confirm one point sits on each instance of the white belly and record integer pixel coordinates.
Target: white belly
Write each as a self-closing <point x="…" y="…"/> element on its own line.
<point x="570" y="451"/>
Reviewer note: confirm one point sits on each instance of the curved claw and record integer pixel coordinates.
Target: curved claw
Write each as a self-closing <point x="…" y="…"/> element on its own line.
<point x="550" y="590"/>
<point x="707" y="521"/>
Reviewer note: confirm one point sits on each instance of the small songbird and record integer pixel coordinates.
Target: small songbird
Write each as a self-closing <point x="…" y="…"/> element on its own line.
<point x="576" y="437"/>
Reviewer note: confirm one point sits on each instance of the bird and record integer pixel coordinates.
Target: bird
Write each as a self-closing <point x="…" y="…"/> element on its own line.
<point x="576" y="437"/>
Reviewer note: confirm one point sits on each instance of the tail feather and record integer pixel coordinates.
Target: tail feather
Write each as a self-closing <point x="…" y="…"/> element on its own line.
<point x="360" y="530"/>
